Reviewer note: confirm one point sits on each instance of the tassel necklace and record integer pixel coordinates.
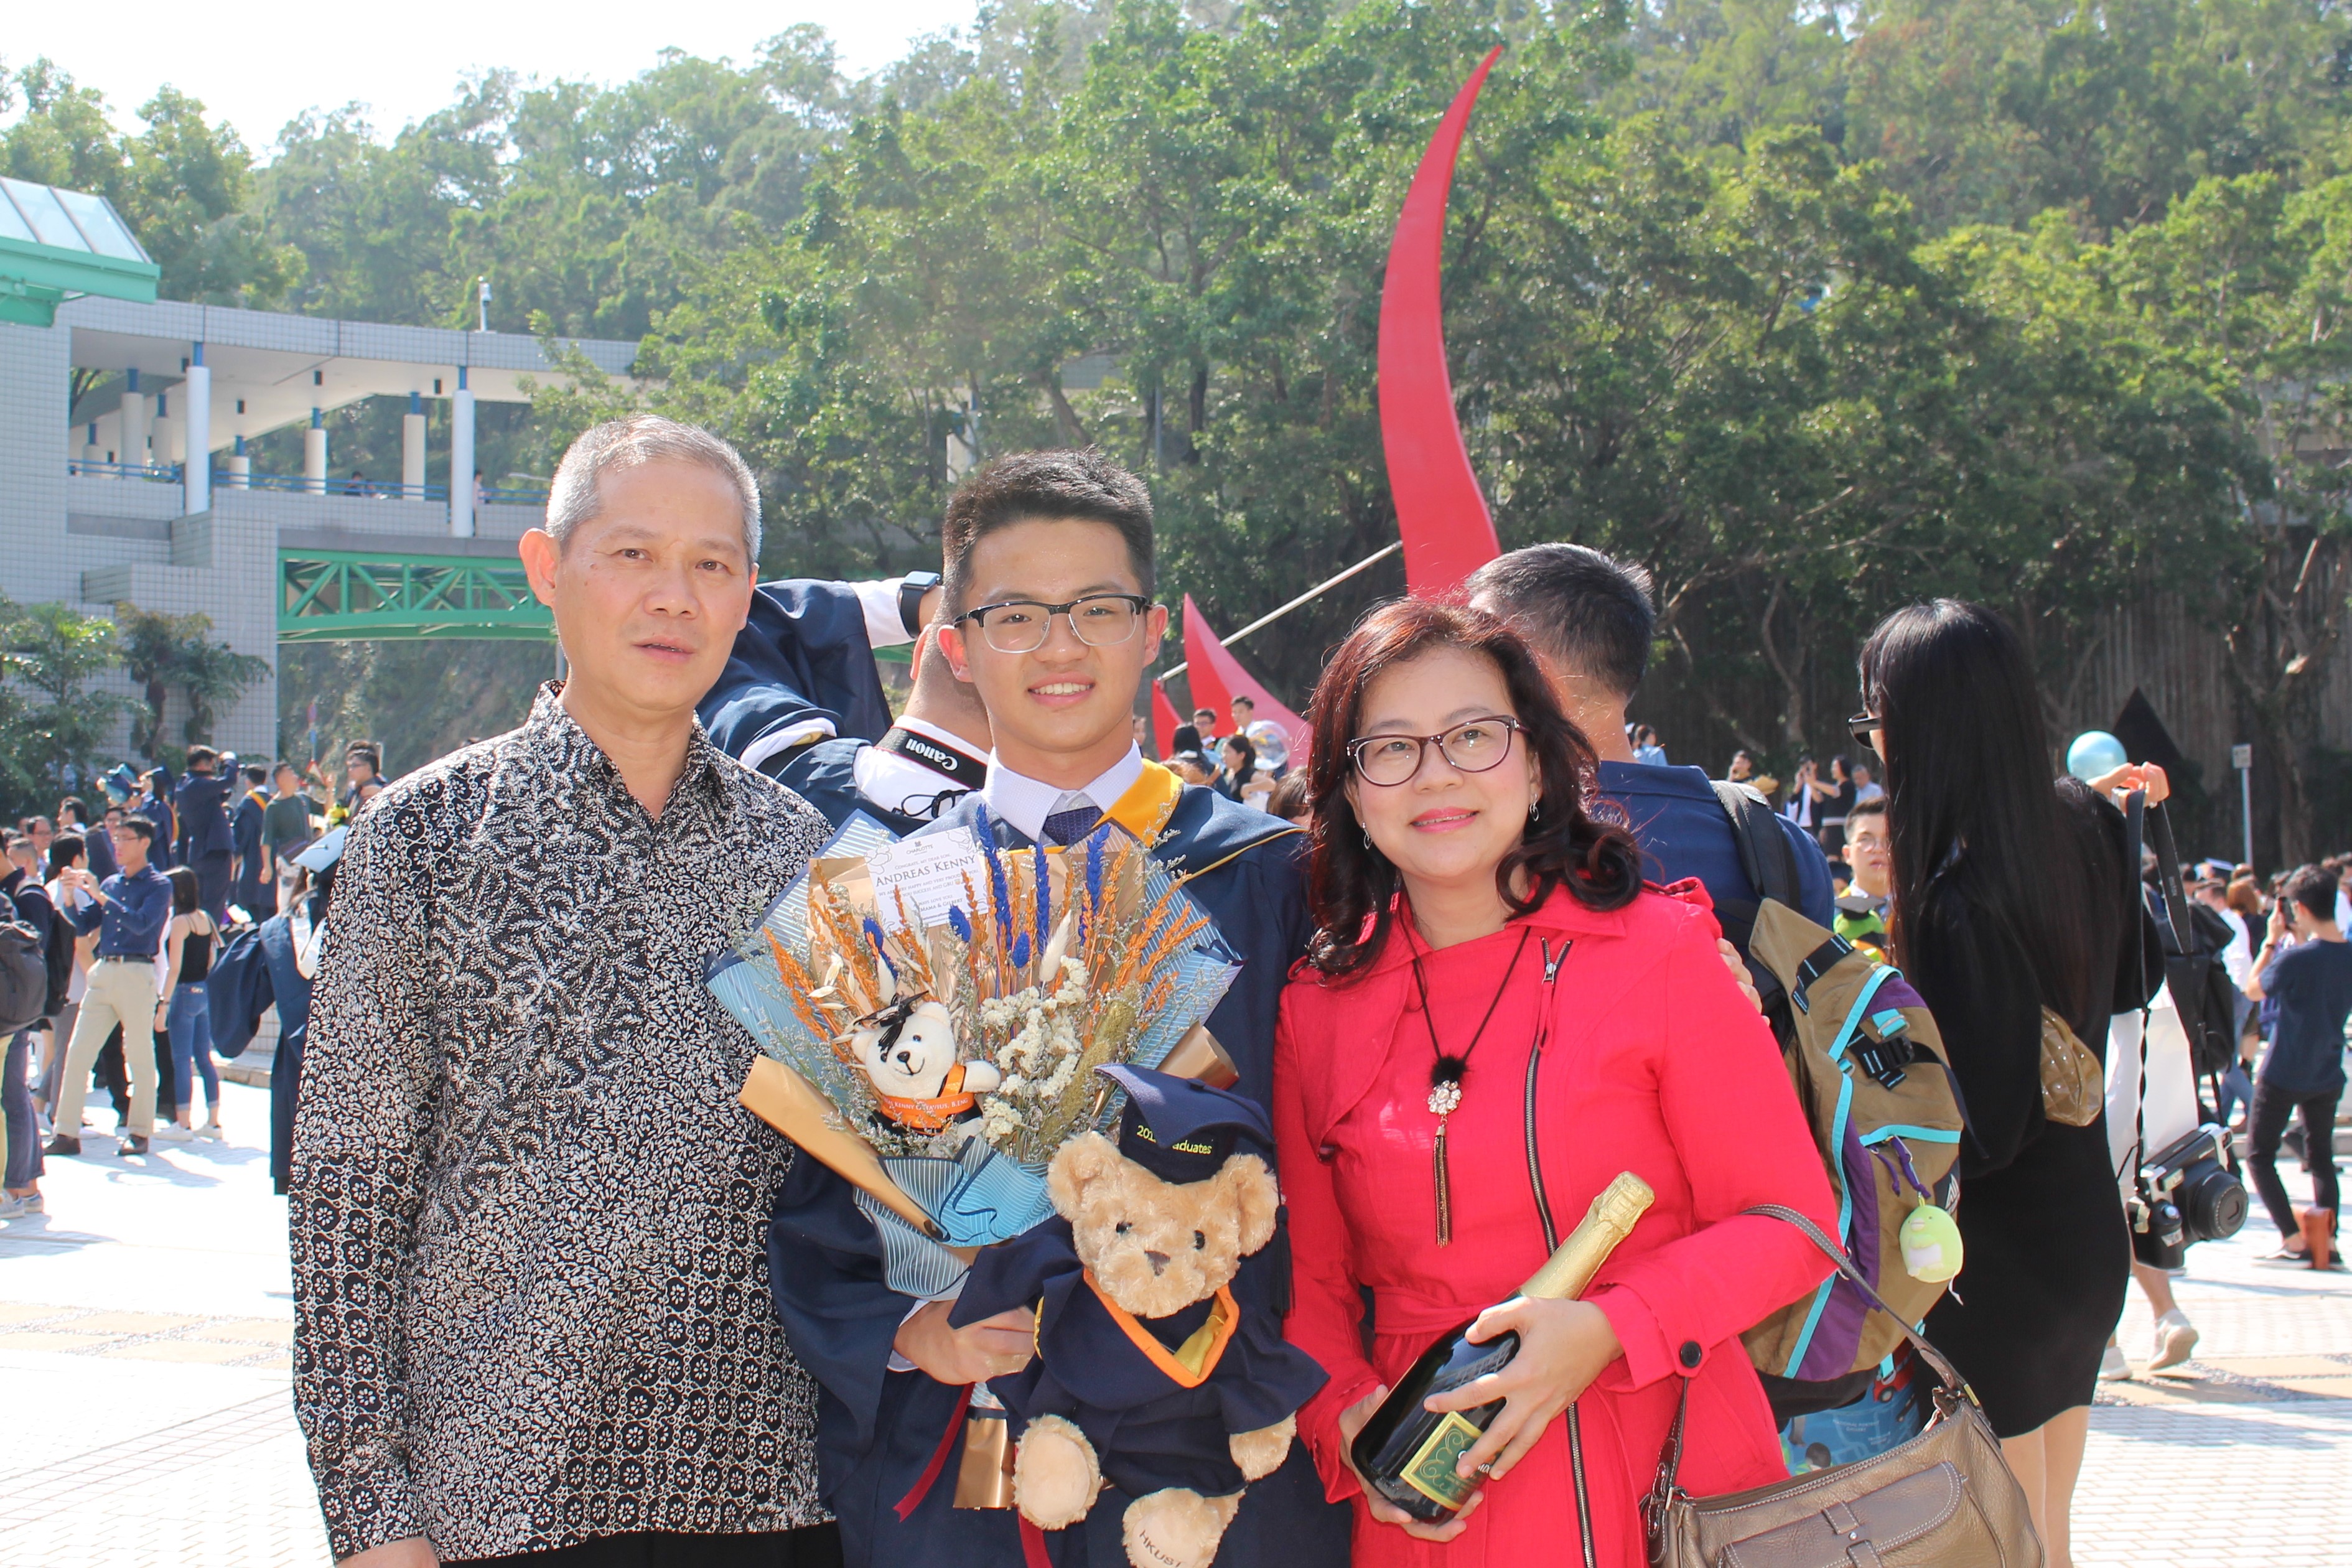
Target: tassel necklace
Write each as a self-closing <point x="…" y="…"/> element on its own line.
<point x="1446" y="1073"/>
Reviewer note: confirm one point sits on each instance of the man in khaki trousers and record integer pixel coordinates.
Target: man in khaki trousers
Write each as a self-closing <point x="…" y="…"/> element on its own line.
<point x="129" y="910"/>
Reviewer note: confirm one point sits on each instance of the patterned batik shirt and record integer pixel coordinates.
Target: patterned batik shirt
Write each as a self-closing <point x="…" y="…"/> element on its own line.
<point x="531" y="1293"/>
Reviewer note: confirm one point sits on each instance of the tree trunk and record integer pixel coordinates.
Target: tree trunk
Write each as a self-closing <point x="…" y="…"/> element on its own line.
<point x="2281" y="645"/>
<point x="1789" y="667"/>
<point x="1198" y="413"/>
<point x="157" y="693"/>
<point x="1715" y="707"/>
<point x="1072" y="430"/>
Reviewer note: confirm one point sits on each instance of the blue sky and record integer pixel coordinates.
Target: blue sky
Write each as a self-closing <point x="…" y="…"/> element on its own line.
<point x="259" y="67"/>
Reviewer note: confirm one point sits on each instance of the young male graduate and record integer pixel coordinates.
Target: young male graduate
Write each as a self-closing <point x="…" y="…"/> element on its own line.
<point x="1050" y="617"/>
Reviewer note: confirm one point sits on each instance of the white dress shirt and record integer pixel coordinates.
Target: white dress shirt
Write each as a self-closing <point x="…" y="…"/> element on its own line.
<point x="1026" y="804"/>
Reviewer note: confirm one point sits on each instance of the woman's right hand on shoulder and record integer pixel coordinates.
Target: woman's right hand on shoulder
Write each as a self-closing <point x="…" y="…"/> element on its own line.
<point x="1351" y="1421"/>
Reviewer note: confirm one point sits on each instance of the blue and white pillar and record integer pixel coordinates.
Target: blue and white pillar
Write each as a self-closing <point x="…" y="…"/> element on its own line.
<point x="196" y="477"/>
<point x="314" y="455"/>
<point x="132" y="453"/>
<point x="412" y="449"/>
<point x="461" y="460"/>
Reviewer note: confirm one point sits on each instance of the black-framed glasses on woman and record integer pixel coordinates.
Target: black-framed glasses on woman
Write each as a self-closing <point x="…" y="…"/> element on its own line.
<point x="1022" y="625"/>
<point x="1862" y="726"/>
<point x="1472" y="746"/>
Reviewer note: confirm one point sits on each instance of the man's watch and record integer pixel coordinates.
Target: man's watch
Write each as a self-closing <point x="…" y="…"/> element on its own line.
<point x="911" y="589"/>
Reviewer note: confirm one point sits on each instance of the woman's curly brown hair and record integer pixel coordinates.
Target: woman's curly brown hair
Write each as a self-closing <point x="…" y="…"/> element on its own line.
<point x="1352" y="887"/>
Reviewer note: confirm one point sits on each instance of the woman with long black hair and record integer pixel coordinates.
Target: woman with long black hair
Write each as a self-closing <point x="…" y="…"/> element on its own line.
<point x="2011" y="893"/>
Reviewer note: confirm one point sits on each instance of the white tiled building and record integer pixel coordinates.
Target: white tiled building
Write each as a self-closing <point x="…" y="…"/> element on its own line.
<point x="99" y="501"/>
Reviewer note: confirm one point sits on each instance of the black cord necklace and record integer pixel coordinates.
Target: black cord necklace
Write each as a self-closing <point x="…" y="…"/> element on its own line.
<point x="1446" y="1072"/>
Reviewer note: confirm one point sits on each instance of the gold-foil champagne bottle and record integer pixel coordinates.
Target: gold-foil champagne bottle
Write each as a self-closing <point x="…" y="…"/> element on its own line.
<point x="1407" y="1453"/>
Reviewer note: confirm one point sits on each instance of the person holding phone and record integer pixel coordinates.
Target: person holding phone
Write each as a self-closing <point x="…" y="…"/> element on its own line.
<point x="2306" y="964"/>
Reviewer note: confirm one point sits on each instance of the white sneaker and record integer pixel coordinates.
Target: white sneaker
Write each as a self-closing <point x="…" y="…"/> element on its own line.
<point x="171" y="1133"/>
<point x="2112" y="1367"/>
<point x="212" y="1130"/>
<point x="2176" y="1337"/>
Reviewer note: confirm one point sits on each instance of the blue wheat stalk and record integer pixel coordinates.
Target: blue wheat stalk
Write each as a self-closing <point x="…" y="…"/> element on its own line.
<point x="1000" y="894"/>
<point x="1096" y="844"/>
<point x="874" y="935"/>
<point x="1044" y="895"/>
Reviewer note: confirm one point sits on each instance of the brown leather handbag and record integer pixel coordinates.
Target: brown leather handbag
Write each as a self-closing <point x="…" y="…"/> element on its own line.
<point x="1945" y="1498"/>
<point x="2073" y="1085"/>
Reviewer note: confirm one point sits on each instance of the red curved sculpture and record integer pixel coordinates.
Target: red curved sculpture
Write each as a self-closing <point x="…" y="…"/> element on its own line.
<point x="1441" y="511"/>
<point x="1217" y="677"/>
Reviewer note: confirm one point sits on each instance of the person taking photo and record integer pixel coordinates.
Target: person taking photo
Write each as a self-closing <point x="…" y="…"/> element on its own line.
<point x="2011" y="896"/>
<point x="2304" y="963"/>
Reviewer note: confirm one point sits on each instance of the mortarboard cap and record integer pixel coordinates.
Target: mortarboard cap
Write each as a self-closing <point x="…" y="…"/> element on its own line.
<point x="325" y="852"/>
<point x="1182" y="1130"/>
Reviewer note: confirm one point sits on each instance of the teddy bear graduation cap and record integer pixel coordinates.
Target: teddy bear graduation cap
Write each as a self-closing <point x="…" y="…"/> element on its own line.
<point x="1153" y="1389"/>
<point x="1181" y="1131"/>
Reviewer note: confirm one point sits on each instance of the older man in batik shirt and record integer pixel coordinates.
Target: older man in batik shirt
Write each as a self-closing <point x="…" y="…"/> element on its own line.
<point x="532" y="1314"/>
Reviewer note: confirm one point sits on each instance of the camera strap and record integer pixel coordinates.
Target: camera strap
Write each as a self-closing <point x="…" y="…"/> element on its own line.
<point x="2135" y="819"/>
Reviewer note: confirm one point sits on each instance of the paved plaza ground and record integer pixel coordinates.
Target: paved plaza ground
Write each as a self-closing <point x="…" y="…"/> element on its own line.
<point x="144" y="1323"/>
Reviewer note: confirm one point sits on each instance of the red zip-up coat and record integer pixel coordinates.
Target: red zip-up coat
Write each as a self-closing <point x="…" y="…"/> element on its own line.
<point x="1655" y="1064"/>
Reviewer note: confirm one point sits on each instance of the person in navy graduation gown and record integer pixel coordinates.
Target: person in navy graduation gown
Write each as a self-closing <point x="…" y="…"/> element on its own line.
<point x="1068" y="535"/>
<point x="802" y="668"/>
<point x="273" y="965"/>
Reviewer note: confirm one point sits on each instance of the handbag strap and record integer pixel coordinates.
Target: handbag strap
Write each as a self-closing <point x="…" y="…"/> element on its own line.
<point x="1955" y="1387"/>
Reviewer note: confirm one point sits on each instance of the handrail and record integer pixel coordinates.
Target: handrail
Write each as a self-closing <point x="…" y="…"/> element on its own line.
<point x="300" y="484"/>
<point x="303" y="484"/>
<point x="167" y="473"/>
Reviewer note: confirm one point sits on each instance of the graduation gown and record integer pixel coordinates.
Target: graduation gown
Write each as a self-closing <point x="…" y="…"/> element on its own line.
<point x="877" y="1431"/>
<point x="826" y="775"/>
<point x="1154" y="1421"/>
<point x="802" y="656"/>
<point x="256" y="973"/>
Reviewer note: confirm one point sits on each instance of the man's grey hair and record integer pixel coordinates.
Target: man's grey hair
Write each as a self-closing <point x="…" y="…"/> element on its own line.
<point x="575" y="497"/>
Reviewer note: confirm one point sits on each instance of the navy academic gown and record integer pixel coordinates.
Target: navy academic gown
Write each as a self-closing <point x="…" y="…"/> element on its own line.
<point x="254" y="893"/>
<point x="826" y="775"/>
<point x="1149" y="1431"/>
<point x="803" y="655"/>
<point x="255" y="972"/>
<point x="878" y="1430"/>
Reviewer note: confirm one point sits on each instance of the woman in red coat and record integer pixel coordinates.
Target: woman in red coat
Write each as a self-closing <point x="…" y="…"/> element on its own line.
<point x="1473" y="918"/>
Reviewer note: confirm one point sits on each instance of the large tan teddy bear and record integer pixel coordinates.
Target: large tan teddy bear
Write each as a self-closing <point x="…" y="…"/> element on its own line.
<point x="1154" y="1392"/>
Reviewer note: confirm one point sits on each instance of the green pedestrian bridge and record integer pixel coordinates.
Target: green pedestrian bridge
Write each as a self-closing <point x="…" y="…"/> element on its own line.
<point x="341" y="596"/>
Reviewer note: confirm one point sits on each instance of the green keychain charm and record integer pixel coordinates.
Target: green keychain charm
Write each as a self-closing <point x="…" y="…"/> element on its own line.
<point x="1931" y="1245"/>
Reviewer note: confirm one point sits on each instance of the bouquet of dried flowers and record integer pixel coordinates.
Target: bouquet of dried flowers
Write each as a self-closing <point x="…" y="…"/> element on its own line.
<point x="944" y="1041"/>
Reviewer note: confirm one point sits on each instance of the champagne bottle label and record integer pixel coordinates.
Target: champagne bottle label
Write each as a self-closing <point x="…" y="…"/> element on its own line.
<point x="1430" y="1471"/>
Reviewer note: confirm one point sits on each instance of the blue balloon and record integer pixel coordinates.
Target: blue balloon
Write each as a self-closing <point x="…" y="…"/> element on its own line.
<point x="2094" y="753"/>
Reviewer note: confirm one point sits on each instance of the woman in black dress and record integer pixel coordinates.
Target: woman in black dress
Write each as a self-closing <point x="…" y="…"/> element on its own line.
<point x="2010" y="894"/>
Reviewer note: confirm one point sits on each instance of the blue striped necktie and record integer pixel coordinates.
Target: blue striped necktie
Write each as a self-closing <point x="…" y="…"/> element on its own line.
<point x="1071" y="827"/>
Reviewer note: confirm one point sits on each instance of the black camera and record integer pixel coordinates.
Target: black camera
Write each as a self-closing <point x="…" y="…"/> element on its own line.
<point x="2187" y="1194"/>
